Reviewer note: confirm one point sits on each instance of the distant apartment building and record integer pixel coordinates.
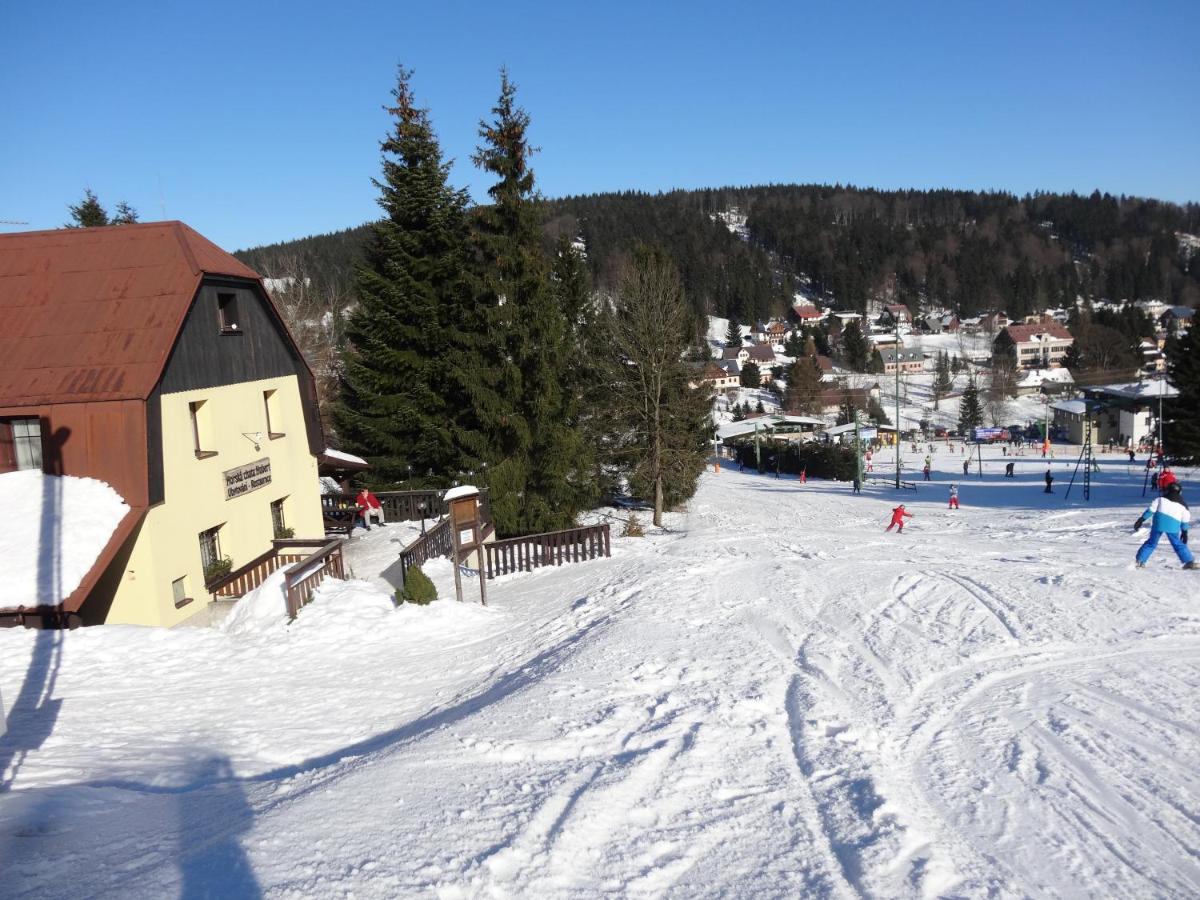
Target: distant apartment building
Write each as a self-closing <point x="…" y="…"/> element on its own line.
<point x="1040" y="346"/>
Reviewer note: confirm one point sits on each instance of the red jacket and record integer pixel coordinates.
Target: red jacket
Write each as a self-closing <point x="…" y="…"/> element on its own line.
<point x="899" y="514"/>
<point x="368" y="502"/>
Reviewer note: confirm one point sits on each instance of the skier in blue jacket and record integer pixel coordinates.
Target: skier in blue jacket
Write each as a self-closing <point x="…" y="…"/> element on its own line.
<point x="1168" y="515"/>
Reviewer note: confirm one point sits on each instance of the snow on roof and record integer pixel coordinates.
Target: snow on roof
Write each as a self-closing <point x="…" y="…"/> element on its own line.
<point x="339" y="456"/>
<point x="66" y="522"/>
<point x="1075" y="407"/>
<point x="463" y="490"/>
<point x="1035" y="377"/>
<point x="1138" y="390"/>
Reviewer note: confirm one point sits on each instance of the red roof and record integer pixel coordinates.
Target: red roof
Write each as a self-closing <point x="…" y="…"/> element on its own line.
<point x="92" y="313"/>
<point x="1022" y="333"/>
<point x="806" y="311"/>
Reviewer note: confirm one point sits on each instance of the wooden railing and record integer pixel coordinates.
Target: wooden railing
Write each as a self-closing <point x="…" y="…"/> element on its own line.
<point x="314" y="559"/>
<point x="404" y="506"/>
<point x="308" y="573"/>
<point x="523" y="554"/>
<point x="437" y="541"/>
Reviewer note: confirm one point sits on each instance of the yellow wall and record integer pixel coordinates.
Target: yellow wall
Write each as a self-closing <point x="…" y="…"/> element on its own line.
<point x="168" y="546"/>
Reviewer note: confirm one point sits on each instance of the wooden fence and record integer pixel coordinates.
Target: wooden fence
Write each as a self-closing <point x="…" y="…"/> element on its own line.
<point x="303" y="579"/>
<point x="314" y="560"/>
<point x="437" y="541"/>
<point x="404" y="506"/>
<point x="523" y="554"/>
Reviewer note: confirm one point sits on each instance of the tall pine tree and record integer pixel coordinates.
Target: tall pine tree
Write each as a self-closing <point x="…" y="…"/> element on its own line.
<point x="398" y="404"/>
<point x="1181" y="425"/>
<point x="970" y="412"/>
<point x="534" y="446"/>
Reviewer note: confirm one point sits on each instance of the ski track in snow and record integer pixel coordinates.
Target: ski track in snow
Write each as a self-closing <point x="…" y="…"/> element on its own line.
<point x="772" y="699"/>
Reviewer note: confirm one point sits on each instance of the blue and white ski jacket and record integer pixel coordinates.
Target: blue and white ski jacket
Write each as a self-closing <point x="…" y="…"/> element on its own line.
<point x="1168" y="516"/>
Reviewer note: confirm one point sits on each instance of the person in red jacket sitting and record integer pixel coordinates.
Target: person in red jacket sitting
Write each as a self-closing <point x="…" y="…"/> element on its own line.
<point x="898" y="516"/>
<point x="369" y="507"/>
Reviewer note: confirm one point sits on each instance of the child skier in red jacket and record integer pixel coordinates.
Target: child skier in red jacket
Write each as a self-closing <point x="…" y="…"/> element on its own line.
<point x="898" y="516"/>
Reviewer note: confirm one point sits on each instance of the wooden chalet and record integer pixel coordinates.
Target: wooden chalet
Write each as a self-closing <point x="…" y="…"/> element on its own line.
<point x="146" y="357"/>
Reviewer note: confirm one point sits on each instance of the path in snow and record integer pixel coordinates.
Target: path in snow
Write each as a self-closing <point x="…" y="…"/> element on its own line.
<point x="773" y="699"/>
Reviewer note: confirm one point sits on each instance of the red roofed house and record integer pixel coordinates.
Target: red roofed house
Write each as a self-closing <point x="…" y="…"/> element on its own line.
<point x="146" y="357"/>
<point x="806" y="312"/>
<point x="1040" y="346"/>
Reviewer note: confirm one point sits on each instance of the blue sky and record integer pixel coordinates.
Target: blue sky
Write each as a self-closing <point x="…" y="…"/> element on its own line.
<point x="259" y="121"/>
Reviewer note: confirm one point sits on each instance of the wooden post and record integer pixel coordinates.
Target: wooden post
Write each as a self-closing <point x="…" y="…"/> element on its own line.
<point x="454" y="560"/>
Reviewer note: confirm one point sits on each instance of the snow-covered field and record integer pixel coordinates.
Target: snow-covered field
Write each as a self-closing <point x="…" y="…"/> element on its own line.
<point x="772" y="698"/>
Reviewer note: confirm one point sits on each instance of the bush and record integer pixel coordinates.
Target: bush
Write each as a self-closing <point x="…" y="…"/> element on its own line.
<point x="417" y="588"/>
<point x="284" y="534"/>
<point x="633" y="528"/>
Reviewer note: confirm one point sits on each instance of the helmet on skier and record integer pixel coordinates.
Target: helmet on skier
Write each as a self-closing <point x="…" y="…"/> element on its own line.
<point x="1173" y="491"/>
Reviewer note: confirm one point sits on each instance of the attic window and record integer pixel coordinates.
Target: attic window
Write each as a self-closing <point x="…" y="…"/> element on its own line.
<point x="228" y="311"/>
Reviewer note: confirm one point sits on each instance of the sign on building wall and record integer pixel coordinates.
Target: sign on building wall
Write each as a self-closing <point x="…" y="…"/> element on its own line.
<point x="247" y="478"/>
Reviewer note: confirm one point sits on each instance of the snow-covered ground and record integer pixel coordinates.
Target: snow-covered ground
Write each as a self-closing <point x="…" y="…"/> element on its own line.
<point x="772" y="698"/>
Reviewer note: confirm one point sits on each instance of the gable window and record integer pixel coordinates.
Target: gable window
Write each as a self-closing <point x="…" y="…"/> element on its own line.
<point x="274" y="419"/>
<point x="20" y="444"/>
<point x="198" y="412"/>
<point x="227" y="309"/>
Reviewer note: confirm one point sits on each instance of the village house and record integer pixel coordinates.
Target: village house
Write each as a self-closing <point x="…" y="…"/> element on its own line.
<point x="718" y="377"/>
<point x="773" y="332"/>
<point x="1035" y="346"/>
<point x="762" y="355"/>
<point x="806" y="313"/>
<point x="832" y="398"/>
<point x="895" y="314"/>
<point x="907" y="357"/>
<point x="146" y="357"/>
<point x="1180" y="316"/>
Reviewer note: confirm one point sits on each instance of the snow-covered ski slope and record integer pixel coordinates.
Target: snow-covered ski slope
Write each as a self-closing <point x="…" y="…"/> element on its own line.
<point x="774" y="698"/>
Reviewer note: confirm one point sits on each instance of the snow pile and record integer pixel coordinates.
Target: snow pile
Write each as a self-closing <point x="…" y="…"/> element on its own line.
<point x="344" y="606"/>
<point x="57" y="527"/>
<point x="262" y="609"/>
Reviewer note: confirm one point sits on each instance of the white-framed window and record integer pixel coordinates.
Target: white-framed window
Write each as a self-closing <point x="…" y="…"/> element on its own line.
<point x="20" y="443"/>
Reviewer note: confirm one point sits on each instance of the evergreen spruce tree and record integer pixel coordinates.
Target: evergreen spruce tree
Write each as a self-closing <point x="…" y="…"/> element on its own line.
<point x="534" y="448"/>
<point x="855" y="349"/>
<point x="970" y="412"/>
<point x="803" y="394"/>
<point x="750" y="376"/>
<point x="941" y="379"/>
<point x="1181" y="425"/>
<point x="398" y="401"/>
<point x="88" y="213"/>
<point x="733" y="337"/>
<point x="126" y="215"/>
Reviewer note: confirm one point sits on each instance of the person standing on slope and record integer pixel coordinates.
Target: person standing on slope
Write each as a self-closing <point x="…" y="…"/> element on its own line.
<point x="954" y="496"/>
<point x="1168" y="515"/>
<point x="1049" y="481"/>
<point x="899" y="514"/>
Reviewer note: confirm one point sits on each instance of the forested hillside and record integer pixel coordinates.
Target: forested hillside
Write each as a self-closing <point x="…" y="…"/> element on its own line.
<point x="847" y="246"/>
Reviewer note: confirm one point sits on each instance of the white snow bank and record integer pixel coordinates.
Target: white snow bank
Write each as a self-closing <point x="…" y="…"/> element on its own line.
<point x="263" y="608"/>
<point x="58" y="525"/>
